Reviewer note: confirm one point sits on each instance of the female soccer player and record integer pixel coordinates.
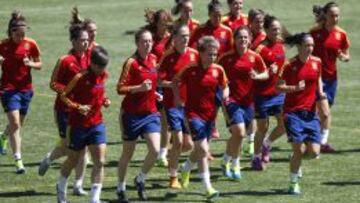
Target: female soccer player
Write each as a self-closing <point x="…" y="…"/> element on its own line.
<point x="268" y="101"/>
<point x="235" y="18"/>
<point x="204" y="78"/>
<point x="18" y="56"/>
<point x="243" y="66"/>
<point x="159" y="26"/>
<point x="300" y="79"/>
<point x="331" y="43"/>
<point x="85" y="96"/>
<point x="66" y="68"/>
<point x="256" y="25"/>
<point x="173" y="61"/>
<point x="185" y="9"/>
<point x="139" y="116"/>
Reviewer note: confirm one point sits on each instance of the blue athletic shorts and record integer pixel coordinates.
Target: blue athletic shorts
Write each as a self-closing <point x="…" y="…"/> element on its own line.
<point x="62" y="119"/>
<point x="268" y="106"/>
<point x="176" y="119"/>
<point x="134" y="126"/>
<point x="218" y="96"/>
<point x="200" y="129"/>
<point x="302" y="126"/>
<point x="329" y="88"/>
<point x="15" y="100"/>
<point x="239" y="114"/>
<point x="81" y="137"/>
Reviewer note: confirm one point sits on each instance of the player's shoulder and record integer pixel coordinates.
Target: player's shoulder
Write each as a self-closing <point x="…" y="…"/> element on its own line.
<point x="315" y="28"/>
<point x="227" y="54"/>
<point x="226" y="28"/>
<point x="339" y="29"/>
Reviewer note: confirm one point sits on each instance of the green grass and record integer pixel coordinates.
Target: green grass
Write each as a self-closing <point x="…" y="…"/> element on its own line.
<point x="333" y="178"/>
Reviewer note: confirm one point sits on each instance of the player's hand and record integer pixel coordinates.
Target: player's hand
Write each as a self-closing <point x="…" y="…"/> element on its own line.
<point x="159" y="97"/>
<point x="343" y="57"/>
<point x="301" y="85"/>
<point x="84" y="109"/>
<point x="107" y="103"/>
<point x="274" y="68"/>
<point x="253" y="74"/>
<point x="2" y="59"/>
<point x="28" y="62"/>
<point x="322" y="95"/>
<point x="146" y="85"/>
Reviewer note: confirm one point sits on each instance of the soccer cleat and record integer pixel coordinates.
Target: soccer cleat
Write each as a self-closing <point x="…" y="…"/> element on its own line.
<point x="44" y="165"/>
<point x="140" y="187"/>
<point x="327" y="148"/>
<point x="248" y="149"/>
<point x="185" y="178"/>
<point x="79" y="191"/>
<point x="122" y="197"/>
<point x="3" y="144"/>
<point x="236" y="173"/>
<point x="174" y="183"/>
<point x="265" y="153"/>
<point x="257" y="164"/>
<point x="20" y="169"/>
<point x="212" y="194"/>
<point x="61" y="195"/>
<point x="162" y="162"/>
<point x="225" y="167"/>
<point x="294" y="189"/>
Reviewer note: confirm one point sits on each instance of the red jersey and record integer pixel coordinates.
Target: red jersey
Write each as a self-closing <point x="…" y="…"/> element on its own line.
<point x="160" y="44"/>
<point x="134" y="72"/>
<point x="272" y="53"/>
<point x="222" y="34"/>
<point x="171" y="63"/>
<point x="15" y="75"/>
<point x="86" y="88"/>
<point x="233" y="22"/>
<point x="200" y="101"/>
<point x="257" y="40"/>
<point x="327" y="47"/>
<point x="65" y="70"/>
<point x="238" y="70"/>
<point x="192" y="24"/>
<point x="294" y="72"/>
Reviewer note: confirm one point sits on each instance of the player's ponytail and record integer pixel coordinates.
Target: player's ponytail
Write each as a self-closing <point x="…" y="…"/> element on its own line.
<point x="17" y="20"/>
<point x="296" y="39"/>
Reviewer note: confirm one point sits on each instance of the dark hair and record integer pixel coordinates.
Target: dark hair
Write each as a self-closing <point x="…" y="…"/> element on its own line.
<point x="329" y="5"/>
<point x="76" y="19"/>
<point x="253" y="13"/>
<point x="153" y="17"/>
<point x="320" y="11"/>
<point x="179" y="4"/>
<point x="268" y="20"/>
<point x="75" y="31"/>
<point x="17" y="20"/>
<point x="214" y="5"/>
<point x="297" y="39"/>
<point x="244" y="27"/>
<point x="139" y="33"/>
<point x="99" y="56"/>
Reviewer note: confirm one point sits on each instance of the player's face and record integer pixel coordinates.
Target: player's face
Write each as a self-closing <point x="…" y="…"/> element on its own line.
<point x="145" y="43"/>
<point x="332" y="16"/>
<point x="181" y="39"/>
<point x="215" y="17"/>
<point x="307" y="47"/>
<point x="236" y="6"/>
<point x="98" y="70"/>
<point x="209" y="56"/>
<point x="82" y="43"/>
<point x="274" y="31"/>
<point x="92" y="30"/>
<point x="18" y="34"/>
<point x="242" y="39"/>
<point x="258" y="23"/>
<point x="187" y="10"/>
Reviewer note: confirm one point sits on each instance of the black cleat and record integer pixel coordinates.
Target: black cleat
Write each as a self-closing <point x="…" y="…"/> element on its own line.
<point x="140" y="187"/>
<point x="122" y="197"/>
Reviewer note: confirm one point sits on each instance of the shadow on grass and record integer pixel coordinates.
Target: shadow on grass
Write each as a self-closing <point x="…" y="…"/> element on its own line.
<point x="256" y="193"/>
<point x="33" y="164"/>
<point x="345" y="151"/>
<point x="27" y="193"/>
<point x="342" y="183"/>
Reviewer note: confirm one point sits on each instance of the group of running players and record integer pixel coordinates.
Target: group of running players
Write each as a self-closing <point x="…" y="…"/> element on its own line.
<point x="181" y="74"/>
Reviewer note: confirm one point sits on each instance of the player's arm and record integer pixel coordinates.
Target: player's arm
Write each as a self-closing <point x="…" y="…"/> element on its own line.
<point x="33" y="60"/>
<point x="261" y="72"/>
<point x="281" y="85"/>
<point x="54" y="85"/>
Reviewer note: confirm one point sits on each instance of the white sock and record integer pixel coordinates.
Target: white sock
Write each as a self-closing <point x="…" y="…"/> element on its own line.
<point x="294" y="177"/>
<point x="95" y="192"/>
<point x="188" y="165"/>
<point x="173" y="172"/>
<point x="141" y="177"/>
<point x="226" y="158"/>
<point x="121" y="186"/>
<point x="78" y="183"/>
<point x="205" y="176"/>
<point x="235" y="162"/>
<point x="17" y="156"/>
<point x="62" y="184"/>
<point x="267" y="142"/>
<point x="251" y="137"/>
<point x="163" y="153"/>
<point x="325" y="136"/>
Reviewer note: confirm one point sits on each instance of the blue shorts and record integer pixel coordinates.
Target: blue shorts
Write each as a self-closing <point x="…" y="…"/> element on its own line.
<point x="239" y="114"/>
<point x="81" y="137"/>
<point x="61" y="119"/>
<point x="200" y="129"/>
<point x="268" y="106"/>
<point x="218" y="96"/>
<point x="329" y="88"/>
<point x="15" y="100"/>
<point x="134" y="126"/>
<point x="302" y="126"/>
<point x="176" y="119"/>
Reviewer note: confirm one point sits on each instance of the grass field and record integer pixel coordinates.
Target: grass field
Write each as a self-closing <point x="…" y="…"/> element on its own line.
<point x="333" y="178"/>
